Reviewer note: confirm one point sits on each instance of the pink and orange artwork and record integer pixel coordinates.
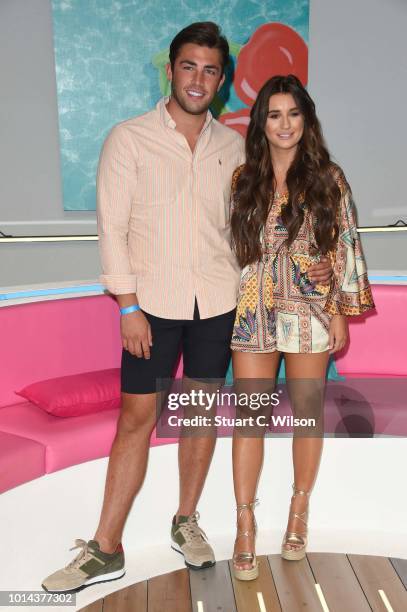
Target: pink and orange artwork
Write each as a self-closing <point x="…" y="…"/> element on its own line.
<point x="274" y="48"/>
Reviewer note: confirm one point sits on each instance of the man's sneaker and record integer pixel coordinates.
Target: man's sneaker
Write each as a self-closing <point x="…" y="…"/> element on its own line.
<point x="188" y="539"/>
<point x="89" y="566"/>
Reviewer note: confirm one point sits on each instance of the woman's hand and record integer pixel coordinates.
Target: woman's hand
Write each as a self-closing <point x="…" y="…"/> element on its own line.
<point x="338" y="333"/>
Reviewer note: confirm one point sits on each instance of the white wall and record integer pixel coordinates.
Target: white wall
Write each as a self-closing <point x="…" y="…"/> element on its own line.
<point x="357" y="78"/>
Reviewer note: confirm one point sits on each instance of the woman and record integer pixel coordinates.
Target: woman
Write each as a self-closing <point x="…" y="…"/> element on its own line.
<point x="291" y="205"/>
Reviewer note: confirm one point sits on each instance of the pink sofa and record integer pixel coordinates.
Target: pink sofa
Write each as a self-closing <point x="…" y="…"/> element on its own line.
<point x="44" y="340"/>
<point x="48" y="339"/>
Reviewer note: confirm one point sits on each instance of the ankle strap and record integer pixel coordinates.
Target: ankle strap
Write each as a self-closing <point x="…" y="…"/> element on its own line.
<point x="240" y="508"/>
<point x="249" y="506"/>
<point x="300" y="492"/>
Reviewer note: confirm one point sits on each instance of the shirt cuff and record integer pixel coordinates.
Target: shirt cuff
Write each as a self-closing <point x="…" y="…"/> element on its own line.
<point x="119" y="284"/>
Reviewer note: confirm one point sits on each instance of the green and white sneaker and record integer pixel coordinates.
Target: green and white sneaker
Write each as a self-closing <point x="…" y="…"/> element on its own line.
<point x="190" y="540"/>
<point x="91" y="565"/>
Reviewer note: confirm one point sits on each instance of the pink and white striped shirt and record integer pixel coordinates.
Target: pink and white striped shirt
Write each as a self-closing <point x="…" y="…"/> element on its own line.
<point x="163" y="215"/>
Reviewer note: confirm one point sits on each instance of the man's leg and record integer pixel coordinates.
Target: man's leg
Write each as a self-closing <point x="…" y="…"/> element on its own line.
<point x="102" y="558"/>
<point x="194" y="458"/>
<point x="129" y="454"/>
<point x="206" y="349"/>
<point x="127" y="466"/>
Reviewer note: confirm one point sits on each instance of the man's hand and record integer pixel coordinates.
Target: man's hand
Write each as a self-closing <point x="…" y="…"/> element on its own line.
<point x="321" y="273"/>
<point x="338" y="333"/>
<point x="136" y="334"/>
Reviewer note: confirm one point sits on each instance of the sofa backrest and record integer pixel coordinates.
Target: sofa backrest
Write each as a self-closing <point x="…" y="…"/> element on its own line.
<point x="41" y="340"/>
<point x="53" y="338"/>
<point x="378" y="339"/>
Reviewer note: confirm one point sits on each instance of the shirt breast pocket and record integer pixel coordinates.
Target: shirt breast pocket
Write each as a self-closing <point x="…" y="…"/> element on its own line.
<point x="213" y="184"/>
<point x="209" y="179"/>
<point x="159" y="181"/>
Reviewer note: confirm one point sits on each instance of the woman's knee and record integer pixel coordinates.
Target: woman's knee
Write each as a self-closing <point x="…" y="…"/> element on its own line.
<point x="306" y="397"/>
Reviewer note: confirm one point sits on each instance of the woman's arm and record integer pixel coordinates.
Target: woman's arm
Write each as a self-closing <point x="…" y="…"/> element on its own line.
<point x="351" y="293"/>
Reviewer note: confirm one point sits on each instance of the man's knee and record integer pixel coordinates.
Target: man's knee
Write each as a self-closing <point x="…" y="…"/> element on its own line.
<point x="138" y="412"/>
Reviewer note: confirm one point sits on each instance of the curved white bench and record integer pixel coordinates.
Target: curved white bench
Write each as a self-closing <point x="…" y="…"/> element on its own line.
<point x="358" y="506"/>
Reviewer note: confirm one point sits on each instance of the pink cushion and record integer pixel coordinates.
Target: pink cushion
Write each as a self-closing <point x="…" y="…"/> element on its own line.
<point x="21" y="460"/>
<point x="77" y="394"/>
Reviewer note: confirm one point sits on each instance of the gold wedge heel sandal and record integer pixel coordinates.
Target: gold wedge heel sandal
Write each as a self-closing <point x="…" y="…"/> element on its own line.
<point x="299" y="540"/>
<point x="246" y="557"/>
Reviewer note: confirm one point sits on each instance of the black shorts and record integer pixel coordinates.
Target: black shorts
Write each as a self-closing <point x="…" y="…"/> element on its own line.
<point x="205" y="344"/>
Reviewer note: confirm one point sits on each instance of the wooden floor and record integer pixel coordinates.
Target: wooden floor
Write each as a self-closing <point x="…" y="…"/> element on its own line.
<point x="321" y="581"/>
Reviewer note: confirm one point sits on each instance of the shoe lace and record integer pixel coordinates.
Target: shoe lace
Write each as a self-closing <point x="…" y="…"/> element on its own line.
<point x="191" y="531"/>
<point x="83" y="556"/>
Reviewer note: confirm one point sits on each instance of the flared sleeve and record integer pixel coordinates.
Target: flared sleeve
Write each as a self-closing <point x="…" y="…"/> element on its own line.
<point x="350" y="291"/>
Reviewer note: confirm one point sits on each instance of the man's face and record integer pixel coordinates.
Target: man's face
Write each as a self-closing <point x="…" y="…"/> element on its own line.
<point x="196" y="77"/>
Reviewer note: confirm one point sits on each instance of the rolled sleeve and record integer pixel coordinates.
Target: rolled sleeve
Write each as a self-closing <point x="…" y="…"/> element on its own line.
<point x="119" y="284"/>
<point x="115" y="186"/>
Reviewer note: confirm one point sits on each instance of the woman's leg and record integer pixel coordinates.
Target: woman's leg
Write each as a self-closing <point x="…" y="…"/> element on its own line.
<point x="306" y="381"/>
<point x="253" y="373"/>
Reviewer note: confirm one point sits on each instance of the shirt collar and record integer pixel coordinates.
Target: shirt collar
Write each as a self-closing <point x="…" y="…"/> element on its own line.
<point x="168" y="121"/>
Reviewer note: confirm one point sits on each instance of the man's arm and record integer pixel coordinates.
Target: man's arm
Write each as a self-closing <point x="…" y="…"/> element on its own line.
<point x="115" y="187"/>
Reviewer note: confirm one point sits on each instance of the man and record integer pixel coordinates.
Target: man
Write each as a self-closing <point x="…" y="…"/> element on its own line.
<point x="163" y="190"/>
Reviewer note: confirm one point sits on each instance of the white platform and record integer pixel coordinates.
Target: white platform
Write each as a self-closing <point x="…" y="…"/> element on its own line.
<point x="358" y="506"/>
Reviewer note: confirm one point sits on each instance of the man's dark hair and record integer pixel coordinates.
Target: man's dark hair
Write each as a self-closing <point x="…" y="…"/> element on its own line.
<point x="205" y="34"/>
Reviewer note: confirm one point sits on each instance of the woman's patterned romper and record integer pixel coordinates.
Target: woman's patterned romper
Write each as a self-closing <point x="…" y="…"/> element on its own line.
<point x="278" y="307"/>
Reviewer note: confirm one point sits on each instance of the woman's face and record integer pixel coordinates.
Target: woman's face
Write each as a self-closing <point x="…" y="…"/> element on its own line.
<point x="285" y="123"/>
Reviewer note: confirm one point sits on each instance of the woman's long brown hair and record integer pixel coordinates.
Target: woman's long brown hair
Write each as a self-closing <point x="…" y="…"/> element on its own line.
<point x="310" y="179"/>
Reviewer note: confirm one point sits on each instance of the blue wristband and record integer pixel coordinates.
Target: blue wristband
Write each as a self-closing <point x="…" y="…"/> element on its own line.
<point x="128" y="309"/>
